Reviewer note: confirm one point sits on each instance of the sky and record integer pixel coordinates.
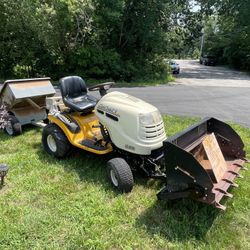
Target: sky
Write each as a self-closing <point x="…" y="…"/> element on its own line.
<point x="195" y="5"/>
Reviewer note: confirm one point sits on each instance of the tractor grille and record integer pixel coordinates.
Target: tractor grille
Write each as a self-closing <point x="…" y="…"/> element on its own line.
<point x="153" y="131"/>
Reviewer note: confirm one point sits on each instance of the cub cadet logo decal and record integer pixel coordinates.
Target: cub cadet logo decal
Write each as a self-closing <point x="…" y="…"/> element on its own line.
<point x="108" y="109"/>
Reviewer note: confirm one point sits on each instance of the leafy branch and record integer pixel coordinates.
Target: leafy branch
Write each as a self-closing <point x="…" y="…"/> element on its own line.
<point x="3" y="117"/>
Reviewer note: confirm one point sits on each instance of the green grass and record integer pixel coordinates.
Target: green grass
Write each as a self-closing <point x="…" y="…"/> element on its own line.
<point x="68" y="204"/>
<point x="169" y="79"/>
<point x="120" y="84"/>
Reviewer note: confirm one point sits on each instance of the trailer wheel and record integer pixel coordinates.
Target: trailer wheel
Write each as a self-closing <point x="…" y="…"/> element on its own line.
<point x="13" y="126"/>
<point x="55" y="142"/>
<point x="120" y="175"/>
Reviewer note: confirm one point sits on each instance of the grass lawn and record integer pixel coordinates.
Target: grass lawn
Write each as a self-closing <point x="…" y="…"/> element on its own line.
<point x="68" y="204"/>
<point x="121" y="84"/>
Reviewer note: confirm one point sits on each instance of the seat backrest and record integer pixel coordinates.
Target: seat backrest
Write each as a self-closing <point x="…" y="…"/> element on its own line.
<point x="72" y="86"/>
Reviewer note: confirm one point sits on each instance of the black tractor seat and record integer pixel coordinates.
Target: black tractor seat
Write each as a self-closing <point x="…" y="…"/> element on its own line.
<point x="75" y="96"/>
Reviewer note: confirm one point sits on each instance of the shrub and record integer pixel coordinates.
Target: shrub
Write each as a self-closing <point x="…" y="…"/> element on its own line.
<point x="3" y="117"/>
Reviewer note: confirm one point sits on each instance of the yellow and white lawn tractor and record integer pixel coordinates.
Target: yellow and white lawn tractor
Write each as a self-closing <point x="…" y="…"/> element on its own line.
<point x="200" y="162"/>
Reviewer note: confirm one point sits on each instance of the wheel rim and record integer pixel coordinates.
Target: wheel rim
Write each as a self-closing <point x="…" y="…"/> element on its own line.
<point x="113" y="178"/>
<point x="51" y="143"/>
<point x="9" y="128"/>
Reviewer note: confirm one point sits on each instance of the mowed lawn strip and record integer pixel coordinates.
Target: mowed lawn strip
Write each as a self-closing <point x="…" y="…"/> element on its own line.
<point x="68" y="204"/>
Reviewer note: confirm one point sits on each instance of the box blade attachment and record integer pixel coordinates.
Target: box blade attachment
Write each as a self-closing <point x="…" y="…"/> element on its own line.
<point x="202" y="162"/>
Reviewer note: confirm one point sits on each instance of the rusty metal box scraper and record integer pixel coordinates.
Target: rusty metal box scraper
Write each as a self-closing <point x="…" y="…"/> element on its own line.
<point x="202" y="162"/>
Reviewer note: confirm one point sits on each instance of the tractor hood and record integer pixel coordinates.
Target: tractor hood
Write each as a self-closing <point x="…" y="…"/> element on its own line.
<point x="133" y="125"/>
<point x="121" y="100"/>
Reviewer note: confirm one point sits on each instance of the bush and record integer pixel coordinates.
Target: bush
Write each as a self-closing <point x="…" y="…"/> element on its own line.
<point x="145" y="70"/>
<point x="3" y="117"/>
<point x="95" y="63"/>
<point x="91" y="62"/>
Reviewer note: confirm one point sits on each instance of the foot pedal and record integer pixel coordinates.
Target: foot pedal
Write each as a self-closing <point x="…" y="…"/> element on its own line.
<point x="92" y="144"/>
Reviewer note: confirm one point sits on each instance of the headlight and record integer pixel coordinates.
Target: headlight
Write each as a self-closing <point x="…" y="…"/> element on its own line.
<point x="150" y="118"/>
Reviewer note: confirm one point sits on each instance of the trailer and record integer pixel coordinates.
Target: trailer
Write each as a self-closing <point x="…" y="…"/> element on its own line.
<point x="25" y="101"/>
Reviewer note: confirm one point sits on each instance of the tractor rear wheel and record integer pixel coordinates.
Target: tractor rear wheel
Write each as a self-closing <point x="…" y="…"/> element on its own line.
<point x="13" y="126"/>
<point x="120" y="175"/>
<point x="55" y="142"/>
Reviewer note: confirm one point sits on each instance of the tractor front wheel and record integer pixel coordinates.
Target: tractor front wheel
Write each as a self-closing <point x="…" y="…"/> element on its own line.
<point x="120" y="175"/>
<point x="55" y="142"/>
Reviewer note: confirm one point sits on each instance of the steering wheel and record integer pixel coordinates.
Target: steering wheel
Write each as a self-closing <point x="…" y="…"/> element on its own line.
<point x="101" y="86"/>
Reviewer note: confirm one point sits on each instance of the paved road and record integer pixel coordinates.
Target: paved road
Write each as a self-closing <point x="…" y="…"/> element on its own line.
<point x="202" y="91"/>
<point x="194" y="74"/>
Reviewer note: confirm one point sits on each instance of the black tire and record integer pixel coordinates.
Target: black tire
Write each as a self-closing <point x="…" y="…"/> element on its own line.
<point x="13" y="127"/>
<point x="120" y="175"/>
<point x="46" y="121"/>
<point x="55" y="142"/>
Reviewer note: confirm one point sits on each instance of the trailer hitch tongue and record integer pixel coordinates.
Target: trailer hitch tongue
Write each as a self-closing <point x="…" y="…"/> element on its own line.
<point x="202" y="162"/>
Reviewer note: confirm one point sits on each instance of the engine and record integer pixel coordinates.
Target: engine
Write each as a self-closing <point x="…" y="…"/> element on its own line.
<point x="133" y="125"/>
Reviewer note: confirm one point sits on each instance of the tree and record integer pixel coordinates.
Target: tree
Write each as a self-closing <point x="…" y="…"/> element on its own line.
<point x="230" y="41"/>
<point x="119" y="39"/>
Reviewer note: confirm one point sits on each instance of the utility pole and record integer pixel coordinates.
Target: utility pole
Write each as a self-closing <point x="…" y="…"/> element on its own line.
<point x="202" y="41"/>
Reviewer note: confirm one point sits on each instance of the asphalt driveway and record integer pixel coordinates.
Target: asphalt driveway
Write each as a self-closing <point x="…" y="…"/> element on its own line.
<point x="201" y="91"/>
